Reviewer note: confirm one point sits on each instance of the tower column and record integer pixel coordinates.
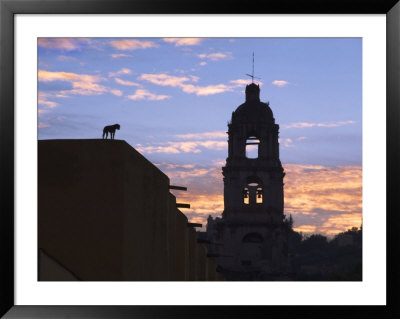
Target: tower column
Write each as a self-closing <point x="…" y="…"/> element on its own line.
<point x="253" y="192"/>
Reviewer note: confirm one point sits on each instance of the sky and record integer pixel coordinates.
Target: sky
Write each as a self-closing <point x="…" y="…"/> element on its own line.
<point x="173" y="98"/>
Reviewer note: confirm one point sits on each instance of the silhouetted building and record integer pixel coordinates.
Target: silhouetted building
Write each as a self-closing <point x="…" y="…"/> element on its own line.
<point x="105" y="213"/>
<point x="251" y="239"/>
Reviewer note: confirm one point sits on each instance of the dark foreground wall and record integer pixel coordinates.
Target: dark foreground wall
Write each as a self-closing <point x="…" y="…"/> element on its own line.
<point x="106" y="213"/>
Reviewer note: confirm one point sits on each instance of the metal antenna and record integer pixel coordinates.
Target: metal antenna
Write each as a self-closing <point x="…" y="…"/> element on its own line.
<point x="252" y="74"/>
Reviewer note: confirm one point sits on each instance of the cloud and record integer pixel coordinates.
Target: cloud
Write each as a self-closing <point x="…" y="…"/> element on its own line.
<point x="173" y="166"/>
<point x="48" y="76"/>
<point x="123" y="71"/>
<point x="164" y="79"/>
<point x="128" y="83"/>
<point x="82" y="84"/>
<point x="116" y="92"/>
<point x="203" y="63"/>
<point x="42" y="111"/>
<point x="50" y="104"/>
<point x="307" y="229"/>
<point x="205" y="188"/>
<point x="213" y="145"/>
<point x="342" y="221"/>
<point x="132" y="44"/>
<point x="43" y="100"/>
<point x="180" y="81"/>
<point x="194" y="78"/>
<point x="169" y="148"/>
<point x="215" y="56"/>
<point x="183" y="41"/>
<point x="66" y="44"/>
<point x="203" y="135"/>
<point x="141" y="94"/>
<point x="157" y="149"/>
<point x="87" y="88"/>
<point x="120" y="55"/>
<point x="206" y="90"/>
<point x="42" y="125"/>
<point x="288" y="142"/>
<point x="240" y="82"/>
<point x="196" y="144"/>
<point x="321" y="199"/>
<point x="184" y="83"/>
<point x="328" y="197"/>
<point x="280" y="83"/>
<point x="178" y="147"/>
<point x="307" y="125"/>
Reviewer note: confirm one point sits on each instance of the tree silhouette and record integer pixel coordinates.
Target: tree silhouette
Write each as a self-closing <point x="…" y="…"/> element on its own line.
<point x="314" y="257"/>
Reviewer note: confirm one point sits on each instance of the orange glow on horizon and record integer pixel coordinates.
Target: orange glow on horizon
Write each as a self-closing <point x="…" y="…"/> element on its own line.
<point x="321" y="199"/>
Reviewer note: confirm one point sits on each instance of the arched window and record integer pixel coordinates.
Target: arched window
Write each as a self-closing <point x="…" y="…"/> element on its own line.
<point x="253" y="191"/>
<point x="252" y="144"/>
<point x="259" y="193"/>
<point x="246" y="196"/>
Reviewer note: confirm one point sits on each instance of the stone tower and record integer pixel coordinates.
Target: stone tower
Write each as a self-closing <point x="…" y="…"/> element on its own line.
<point x="252" y="231"/>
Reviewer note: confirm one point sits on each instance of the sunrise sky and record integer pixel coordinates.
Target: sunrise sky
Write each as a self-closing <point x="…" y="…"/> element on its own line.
<point x="173" y="98"/>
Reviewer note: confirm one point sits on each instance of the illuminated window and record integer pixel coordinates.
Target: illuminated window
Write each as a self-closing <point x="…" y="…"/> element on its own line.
<point x="246" y="196"/>
<point x="253" y="191"/>
<point x="259" y="198"/>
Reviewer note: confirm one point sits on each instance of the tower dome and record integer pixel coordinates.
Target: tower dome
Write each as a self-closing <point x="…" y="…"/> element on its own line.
<point x="253" y="110"/>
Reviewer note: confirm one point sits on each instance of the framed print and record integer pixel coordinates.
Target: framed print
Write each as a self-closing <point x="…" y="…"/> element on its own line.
<point x="76" y="52"/>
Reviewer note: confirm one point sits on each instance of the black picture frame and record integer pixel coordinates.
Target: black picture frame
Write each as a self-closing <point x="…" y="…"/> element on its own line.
<point x="8" y="8"/>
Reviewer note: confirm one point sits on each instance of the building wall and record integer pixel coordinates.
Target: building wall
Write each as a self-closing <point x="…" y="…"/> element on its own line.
<point x="51" y="270"/>
<point x="105" y="213"/>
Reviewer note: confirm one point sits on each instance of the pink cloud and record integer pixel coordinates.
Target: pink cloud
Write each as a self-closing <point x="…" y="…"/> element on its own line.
<point x="203" y="135"/>
<point x="331" y="196"/>
<point x="215" y="56"/>
<point x="177" y="147"/>
<point x="42" y="111"/>
<point x="43" y="100"/>
<point x="120" y="55"/>
<point x="287" y="142"/>
<point x="87" y="88"/>
<point x="164" y="79"/>
<point x="67" y="44"/>
<point x="280" y="83"/>
<point x="205" y="90"/>
<point x="321" y="199"/>
<point x="184" y="83"/>
<point x="116" y="92"/>
<point x="241" y="82"/>
<point x="123" y="71"/>
<point x="82" y="84"/>
<point x="132" y="44"/>
<point x="308" y="125"/>
<point x="128" y="83"/>
<point x="141" y="94"/>
<point x="183" y="41"/>
<point x="48" y="76"/>
<point x="42" y="125"/>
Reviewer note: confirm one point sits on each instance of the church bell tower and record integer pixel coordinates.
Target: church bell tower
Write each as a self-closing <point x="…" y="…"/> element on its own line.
<point x="252" y="228"/>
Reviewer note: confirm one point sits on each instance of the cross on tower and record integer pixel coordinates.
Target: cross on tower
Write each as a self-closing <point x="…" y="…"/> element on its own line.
<point x="252" y="74"/>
